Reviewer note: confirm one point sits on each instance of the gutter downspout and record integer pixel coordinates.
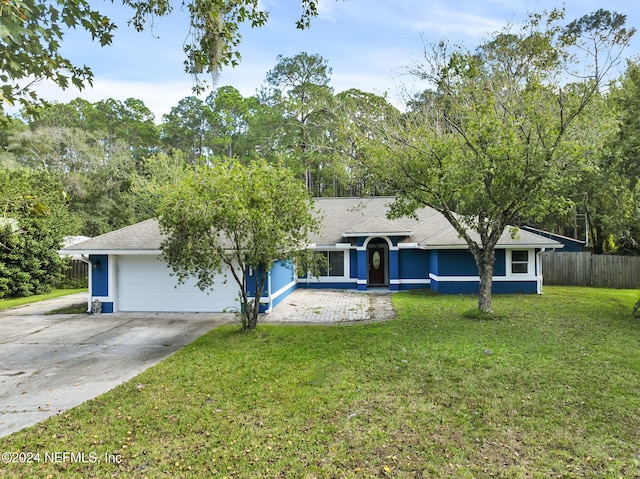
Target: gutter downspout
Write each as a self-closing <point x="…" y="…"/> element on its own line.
<point x="539" y="266"/>
<point x="270" y="304"/>
<point x="85" y="259"/>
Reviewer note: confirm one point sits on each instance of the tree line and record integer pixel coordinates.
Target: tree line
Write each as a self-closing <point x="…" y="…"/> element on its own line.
<point x="496" y="135"/>
<point x="108" y="155"/>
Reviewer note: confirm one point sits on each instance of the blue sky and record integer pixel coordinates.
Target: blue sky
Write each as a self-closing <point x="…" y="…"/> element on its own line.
<point x="368" y="44"/>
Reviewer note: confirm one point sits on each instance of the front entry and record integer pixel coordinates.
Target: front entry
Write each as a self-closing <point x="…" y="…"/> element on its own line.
<point x="377" y="259"/>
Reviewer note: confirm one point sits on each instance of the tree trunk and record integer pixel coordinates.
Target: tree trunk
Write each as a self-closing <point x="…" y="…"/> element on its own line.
<point x="252" y="321"/>
<point x="252" y="310"/>
<point x="485" y="270"/>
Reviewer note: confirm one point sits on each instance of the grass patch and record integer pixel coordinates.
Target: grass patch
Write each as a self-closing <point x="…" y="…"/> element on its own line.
<point x="78" y="308"/>
<point x="550" y="390"/>
<point x="7" y="303"/>
<point x="478" y="315"/>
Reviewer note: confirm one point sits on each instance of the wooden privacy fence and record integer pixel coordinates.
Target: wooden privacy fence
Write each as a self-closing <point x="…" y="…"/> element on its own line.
<point x="586" y="269"/>
<point x="76" y="271"/>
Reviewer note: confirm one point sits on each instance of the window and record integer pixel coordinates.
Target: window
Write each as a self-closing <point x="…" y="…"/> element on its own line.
<point x="334" y="264"/>
<point x="519" y="262"/>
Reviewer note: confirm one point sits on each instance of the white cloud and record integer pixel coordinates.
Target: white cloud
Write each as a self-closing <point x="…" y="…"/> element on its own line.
<point x="327" y="10"/>
<point x="368" y="43"/>
<point x="158" y="96"/>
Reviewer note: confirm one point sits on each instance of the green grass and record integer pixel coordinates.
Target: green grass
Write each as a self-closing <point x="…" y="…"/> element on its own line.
<point x="550" y="389"/>
<point x="78" y="308"/>
<point x="7" y="303"/>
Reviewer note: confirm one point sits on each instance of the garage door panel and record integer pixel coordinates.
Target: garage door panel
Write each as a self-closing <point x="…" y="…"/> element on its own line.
<point x="144" y="283"/>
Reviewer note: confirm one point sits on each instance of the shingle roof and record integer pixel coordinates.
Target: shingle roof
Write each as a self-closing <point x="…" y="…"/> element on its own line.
<point x="378" y="226"/>
<point x="341" y="218"/>
<point x="144" y="236"/>
<point x="430" y="229"/>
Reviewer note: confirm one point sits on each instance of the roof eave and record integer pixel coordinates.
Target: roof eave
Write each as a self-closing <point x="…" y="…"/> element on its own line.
<point x="111" y="251"/>
<point x="360" y="234"/>
<point x="498" y="246"/>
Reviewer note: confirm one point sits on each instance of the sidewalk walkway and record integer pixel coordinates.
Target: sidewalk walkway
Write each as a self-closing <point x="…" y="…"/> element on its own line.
<point x="46" y="306"/>
<point x="331" y="306"/>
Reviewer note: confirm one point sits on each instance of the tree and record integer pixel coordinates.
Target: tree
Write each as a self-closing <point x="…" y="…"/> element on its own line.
<point x="301" y="85"/>
<point x="497" y="134"/>
<point x="186" y="128"/>
<point x="264" y="129"/>
<point x="57" y="149"/>
<point x="157" y="173"/>
<point x="228" y="112"/>
<point x="8" y="129"/>
<point x="357" y="117"/>
<point x="623" y="162"/>
<point x="130" y="122"/>
<point x="109" y="120"/>
<point x="31" y="34"/>
<point x="94" y="169"/>
<point x="240" y="217"/>
<point x="34" y="220"/>
<point x="606" y="191"/>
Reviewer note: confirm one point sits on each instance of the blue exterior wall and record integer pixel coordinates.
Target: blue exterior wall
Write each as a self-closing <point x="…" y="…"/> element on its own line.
<point x="99" y="275"/>
<point x="411" y="286"/>
<point x="339" y="282"/>
<point x="571" y="245"/>
<point x="456" y="263"/>
<point x="100" y="279"/>
<point x="362" y="268"/>
<point x="394" y="269"/>
<point x="277" y="300"/>
<point x="353" y="264"/>
<point x="454" y="287"/>
<point x="414" y="263"/>
<point x="462" y="263"/>
<point x="471" y="287"/>
<point x="511" y="287"/>
<point x="404" y="265"/>
<point x="500" y="266"/>
<point x="251" y="280"/>
<point x="434" y="262"/>
<point x="283" y="274"/>
<point x="445" y="263"/>
<point x="107" y="307"/>
<point x="326" y="285"/>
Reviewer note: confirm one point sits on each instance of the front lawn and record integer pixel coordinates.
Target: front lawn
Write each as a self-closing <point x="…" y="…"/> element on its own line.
<point x="551" y="388"/>
<point x="6" y="303"/>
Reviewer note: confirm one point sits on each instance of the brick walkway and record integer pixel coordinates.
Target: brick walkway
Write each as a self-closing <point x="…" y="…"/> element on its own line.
<point x="331" y="306"/>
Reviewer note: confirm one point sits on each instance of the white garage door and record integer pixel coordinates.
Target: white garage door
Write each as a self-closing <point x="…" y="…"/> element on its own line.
<point x="144" y="283"/>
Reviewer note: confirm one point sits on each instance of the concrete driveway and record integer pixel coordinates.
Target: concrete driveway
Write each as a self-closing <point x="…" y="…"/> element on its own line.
<point x="51" y="363"/>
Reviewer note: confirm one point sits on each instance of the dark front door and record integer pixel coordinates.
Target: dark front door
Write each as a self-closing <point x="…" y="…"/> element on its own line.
<point x="377" y="262"/>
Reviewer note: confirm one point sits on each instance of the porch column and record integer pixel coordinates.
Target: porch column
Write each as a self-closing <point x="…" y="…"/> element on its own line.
<point x="362" y="268"/>
<point x="394" y="269"/>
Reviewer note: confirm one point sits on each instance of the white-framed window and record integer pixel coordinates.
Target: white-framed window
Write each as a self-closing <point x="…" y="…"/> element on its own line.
<point x="520" y="261"/>
<point x="333" y="264"/>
